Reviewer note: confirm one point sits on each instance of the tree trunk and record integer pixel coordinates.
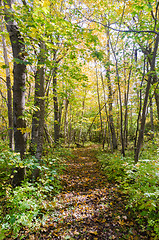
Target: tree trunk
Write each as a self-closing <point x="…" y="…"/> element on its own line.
<point x="19" y="76"/>
<point x="106" y="111"/>
<point x="156" y="92"/>
<point x="60" y="115"/>
<point x="19" y="72"/>
<point x="142" y="128"/>
<point x="70" y="127"/>
<point x="140" y="107"/>
<point x="82" y="134"/>
<point x="66" y="120"/>
<point x="110" y="95"/>
<point x="38" y="116"/>
<point x="41" y="115"/>
<point x="36" y="113"/>
<point x="157" y="101"/>
<point x="120" y="103"/>
<point x="126" y="106"/>
<point x="100" y="114"/>
<point x="151" y="118"/>
<point x="9" y="92"/>
<point x="121" y="114"/>
<point x="56" y="108"/>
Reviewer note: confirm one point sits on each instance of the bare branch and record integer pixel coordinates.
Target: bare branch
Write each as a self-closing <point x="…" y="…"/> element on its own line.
<point x="118" y="30"/>
<point x="3" y="119"/>
<point x="3" y="97"/>
<point x="3" y="79"/>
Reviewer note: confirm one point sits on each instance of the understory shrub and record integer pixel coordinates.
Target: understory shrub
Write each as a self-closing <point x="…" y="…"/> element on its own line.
<point x="140" y="182"/>
<point x="27" y="206"/>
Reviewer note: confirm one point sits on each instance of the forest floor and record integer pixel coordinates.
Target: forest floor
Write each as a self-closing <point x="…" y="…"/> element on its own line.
<point x="88" y="207"/>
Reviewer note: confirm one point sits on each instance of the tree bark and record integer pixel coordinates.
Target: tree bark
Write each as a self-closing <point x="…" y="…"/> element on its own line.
<point x="56" y="108"/>
<point x="19" y="72"/>
<point x="99" y="106"/>
<point x="151" y="74"/>
<point x="156" y="92"/>
<point x="9" y="92"/>
<point x="110" y="95"/>
<point x="120" y="103"/>
<point x="19" y="78"/>
<point x="157" y="102"/>
<point x="126" y="106"/>
<point x="39" y="114"/>
<point x="151" y="118"/>
<point x="121" y="114"/>
<point x="66" y="120"/>
<point x="106" y="111"/>
<point x="140" y="106"/>
<point x="39" y="103"/>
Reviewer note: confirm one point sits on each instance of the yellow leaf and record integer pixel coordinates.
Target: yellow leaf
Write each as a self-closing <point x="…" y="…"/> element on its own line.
<point x="46" y="3"/>
<point x="121" y="222"/>
<point x="94" y="232"/>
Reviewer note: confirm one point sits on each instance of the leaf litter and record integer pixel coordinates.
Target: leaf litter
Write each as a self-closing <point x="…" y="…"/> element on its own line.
<point x="89" y="207"/>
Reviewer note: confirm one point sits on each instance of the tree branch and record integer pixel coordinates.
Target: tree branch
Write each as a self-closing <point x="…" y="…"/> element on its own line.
<point x="3" y="79"/>
<point x="3" y="96"/>
<point x="118" y="30"/>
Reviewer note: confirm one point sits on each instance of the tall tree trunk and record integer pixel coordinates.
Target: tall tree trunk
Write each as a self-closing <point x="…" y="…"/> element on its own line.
<point x="56" y="108"/>
<point x="127" y="87"/>
<point x="142" y="128"/>
<point x="121" y="114"/>
<point x="70" y="127"/>
<point x="157" y="101"/>
<point x="39" y="114"/>
<point x="140" y="106"/>
<point x="106" y="111"/>
<point x="120" y="103"/>
<point x="82" y="134"/>
<point x="66" y="120"/>
<point x="39" y="103"/>
<point x="36" y="113"/>
<point x="9" y="92"/>
<point x="19" y="76"/>
<point x="60" y="115"/>
<point x="151" y="118"/>
<point x="100" y="114"/>
<point x="19" y="72"/>
<point x="110" y="95"/>
<point x="156" y="92"/>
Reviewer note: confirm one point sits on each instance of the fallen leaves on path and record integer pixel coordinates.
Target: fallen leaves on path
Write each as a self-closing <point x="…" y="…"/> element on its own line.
<point x="88" y="207"/>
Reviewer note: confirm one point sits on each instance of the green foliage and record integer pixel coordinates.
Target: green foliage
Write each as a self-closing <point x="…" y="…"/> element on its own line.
<point x="112" y="166"/>
<point x="27" y="205"/>
<point x="98" y="55"/>
<point x="21" y="208"/>
<point x="140" y="182"/>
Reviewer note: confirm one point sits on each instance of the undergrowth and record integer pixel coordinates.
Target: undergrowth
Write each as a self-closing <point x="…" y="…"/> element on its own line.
<point x="28" y="205"/>
<point x="140" y="182"/>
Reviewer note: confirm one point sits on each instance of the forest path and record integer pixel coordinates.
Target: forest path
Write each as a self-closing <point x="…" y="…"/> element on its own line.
<point x="88" y="207"/>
